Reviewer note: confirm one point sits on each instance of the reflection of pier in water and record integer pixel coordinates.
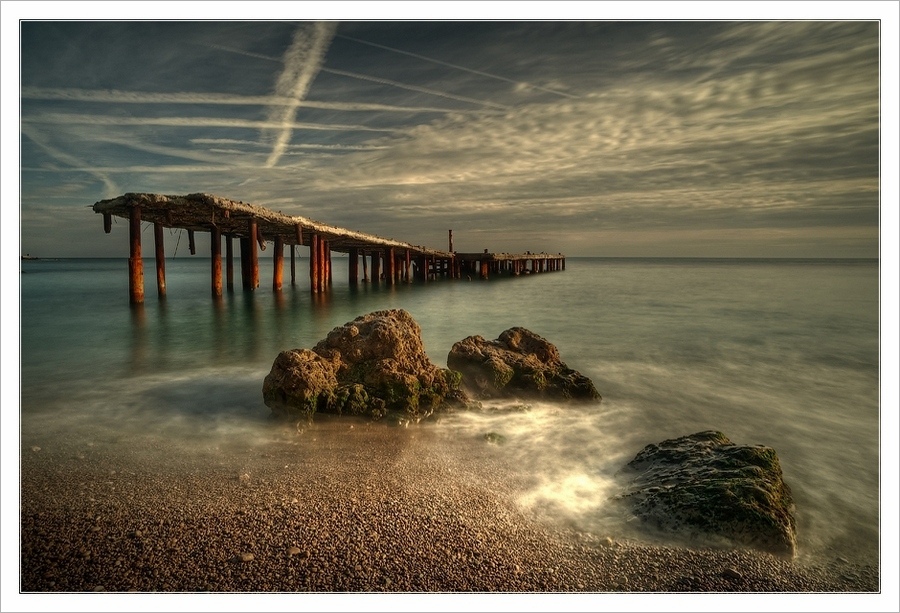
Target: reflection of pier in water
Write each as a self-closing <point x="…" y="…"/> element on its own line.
<point x="240" y="327"/>
<point x="392" y="261"/>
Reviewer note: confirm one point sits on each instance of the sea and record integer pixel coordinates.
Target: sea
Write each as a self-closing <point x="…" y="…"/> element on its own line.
<point x="777" y="352"/>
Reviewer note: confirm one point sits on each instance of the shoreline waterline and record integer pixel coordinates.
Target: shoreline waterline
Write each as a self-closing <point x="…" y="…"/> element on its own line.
<point x="342" y="506"/>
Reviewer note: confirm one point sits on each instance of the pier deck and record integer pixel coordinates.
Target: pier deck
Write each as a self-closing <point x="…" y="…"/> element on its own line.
<point x="254" y="226"/>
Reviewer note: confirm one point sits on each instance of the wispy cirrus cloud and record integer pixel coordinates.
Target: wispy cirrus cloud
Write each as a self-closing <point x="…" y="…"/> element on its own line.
<point x="691" y="127"/>
<point x="518" y="84"/>
<point x="44" y="142"/>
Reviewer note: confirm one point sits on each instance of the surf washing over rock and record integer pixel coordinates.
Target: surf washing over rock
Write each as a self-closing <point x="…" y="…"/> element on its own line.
<point x="701" y="486"/>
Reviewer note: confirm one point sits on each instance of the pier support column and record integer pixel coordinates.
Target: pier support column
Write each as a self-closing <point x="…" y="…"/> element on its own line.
<point x="229" y="263"/>
<point x="107" y="222"/>
<point x="354" y="266"/>
<point x="192" y="246"/>
<point x="323" y="265"/>
<point x="246" y="278"/>
<point x="376" y="266"/>
<point x="293" y="268"/>
<point x="278" y="257"/>
<point x="390" y="272"/>
<point x="253" y="259"/>
<point x="314" y="264"/>
<point x="421" y="264"/>
<point x="135" y="262"/>
<point x="215" y="250"/>
<point x="365" y="268"/>
<point x="159" y="243"/>
<point x="408" y="267"/>
<point x="328" y="277"/>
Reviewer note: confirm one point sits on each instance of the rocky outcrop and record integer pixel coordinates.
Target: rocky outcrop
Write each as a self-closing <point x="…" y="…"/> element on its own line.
<point x="706" y="488"/>
<point x="518" y="364"/>
<point x="371" y="366"/>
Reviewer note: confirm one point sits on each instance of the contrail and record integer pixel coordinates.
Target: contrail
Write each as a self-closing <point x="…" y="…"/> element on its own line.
<point x="234" y="141"/>
<point x="132" y="143"/>
<point x="355" y="75"/>
<point x="414" y="88"/>
<point x="136" y="97"/>
<point x="302" y="62"/>
<point x="192" y="122"/>
<point x="112" y="191"/>
<point x="71" y="160"/>
<point x="458" y="67"/>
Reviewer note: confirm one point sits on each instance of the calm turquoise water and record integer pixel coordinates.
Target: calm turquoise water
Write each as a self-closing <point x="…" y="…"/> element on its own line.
<point x="782" y="353"/>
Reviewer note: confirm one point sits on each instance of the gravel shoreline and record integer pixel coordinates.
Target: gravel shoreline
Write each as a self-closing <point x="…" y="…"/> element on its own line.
<point x="342" y="507"/>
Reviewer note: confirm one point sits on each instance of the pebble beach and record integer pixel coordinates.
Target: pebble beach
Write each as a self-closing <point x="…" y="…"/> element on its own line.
<point x="341" y="506"/>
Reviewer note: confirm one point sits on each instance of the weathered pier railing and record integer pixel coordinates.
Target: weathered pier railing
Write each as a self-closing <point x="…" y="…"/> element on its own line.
<point x="254" y="226"/>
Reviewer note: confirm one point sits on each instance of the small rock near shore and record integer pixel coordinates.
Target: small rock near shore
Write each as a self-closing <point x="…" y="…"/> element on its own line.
<point x="705" y="487"/>
<point x="519" y="363"/>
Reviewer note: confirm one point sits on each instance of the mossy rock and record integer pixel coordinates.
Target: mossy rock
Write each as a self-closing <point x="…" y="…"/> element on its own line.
<point x="705" y="487"/>
<point x="518" y="364"/>
<point x="495" y="438"/>
<point x="370" y="366"/>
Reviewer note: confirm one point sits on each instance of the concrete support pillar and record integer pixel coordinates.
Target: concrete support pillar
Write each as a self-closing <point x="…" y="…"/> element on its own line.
<point x="278" y="261"/>
<point x="229" y="263"/>
<point x="421" y="264"/>
<point x="245" y="264"/>
<point x="215" y="249"/>
<point x="323" y="265"/>
<point x="135" y="261"/>
<point x="159" y="243"/>
<point x="314" y="264"/>
<point x="293" y="268"/>
<point x="253" y="259"/>
<point x="389" y="266"/>
<point x="376" y="266"/>
<point x="353" y="268"/>
<point x="328" y="276"/>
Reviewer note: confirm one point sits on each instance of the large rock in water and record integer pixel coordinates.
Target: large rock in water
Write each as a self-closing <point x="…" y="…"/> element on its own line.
<point x="518" y="364"/>
<point x="370" y="366"/>
<point x="705" y="487"/>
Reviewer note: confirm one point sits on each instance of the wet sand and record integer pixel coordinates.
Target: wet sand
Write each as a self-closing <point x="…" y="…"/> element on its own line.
<point x="341" y="507"/>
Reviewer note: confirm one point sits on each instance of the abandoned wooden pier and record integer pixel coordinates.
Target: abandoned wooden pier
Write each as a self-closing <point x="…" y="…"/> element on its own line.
<point x="254" y="227"/>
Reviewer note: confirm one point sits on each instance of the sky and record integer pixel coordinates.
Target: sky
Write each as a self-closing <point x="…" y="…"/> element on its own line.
<point x="590" y="137"/>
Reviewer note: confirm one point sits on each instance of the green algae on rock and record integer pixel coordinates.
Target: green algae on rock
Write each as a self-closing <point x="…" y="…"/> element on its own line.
<point x="519" y="363"/>
<point x="705" y="487"/>
<point x="371" y="366"/>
